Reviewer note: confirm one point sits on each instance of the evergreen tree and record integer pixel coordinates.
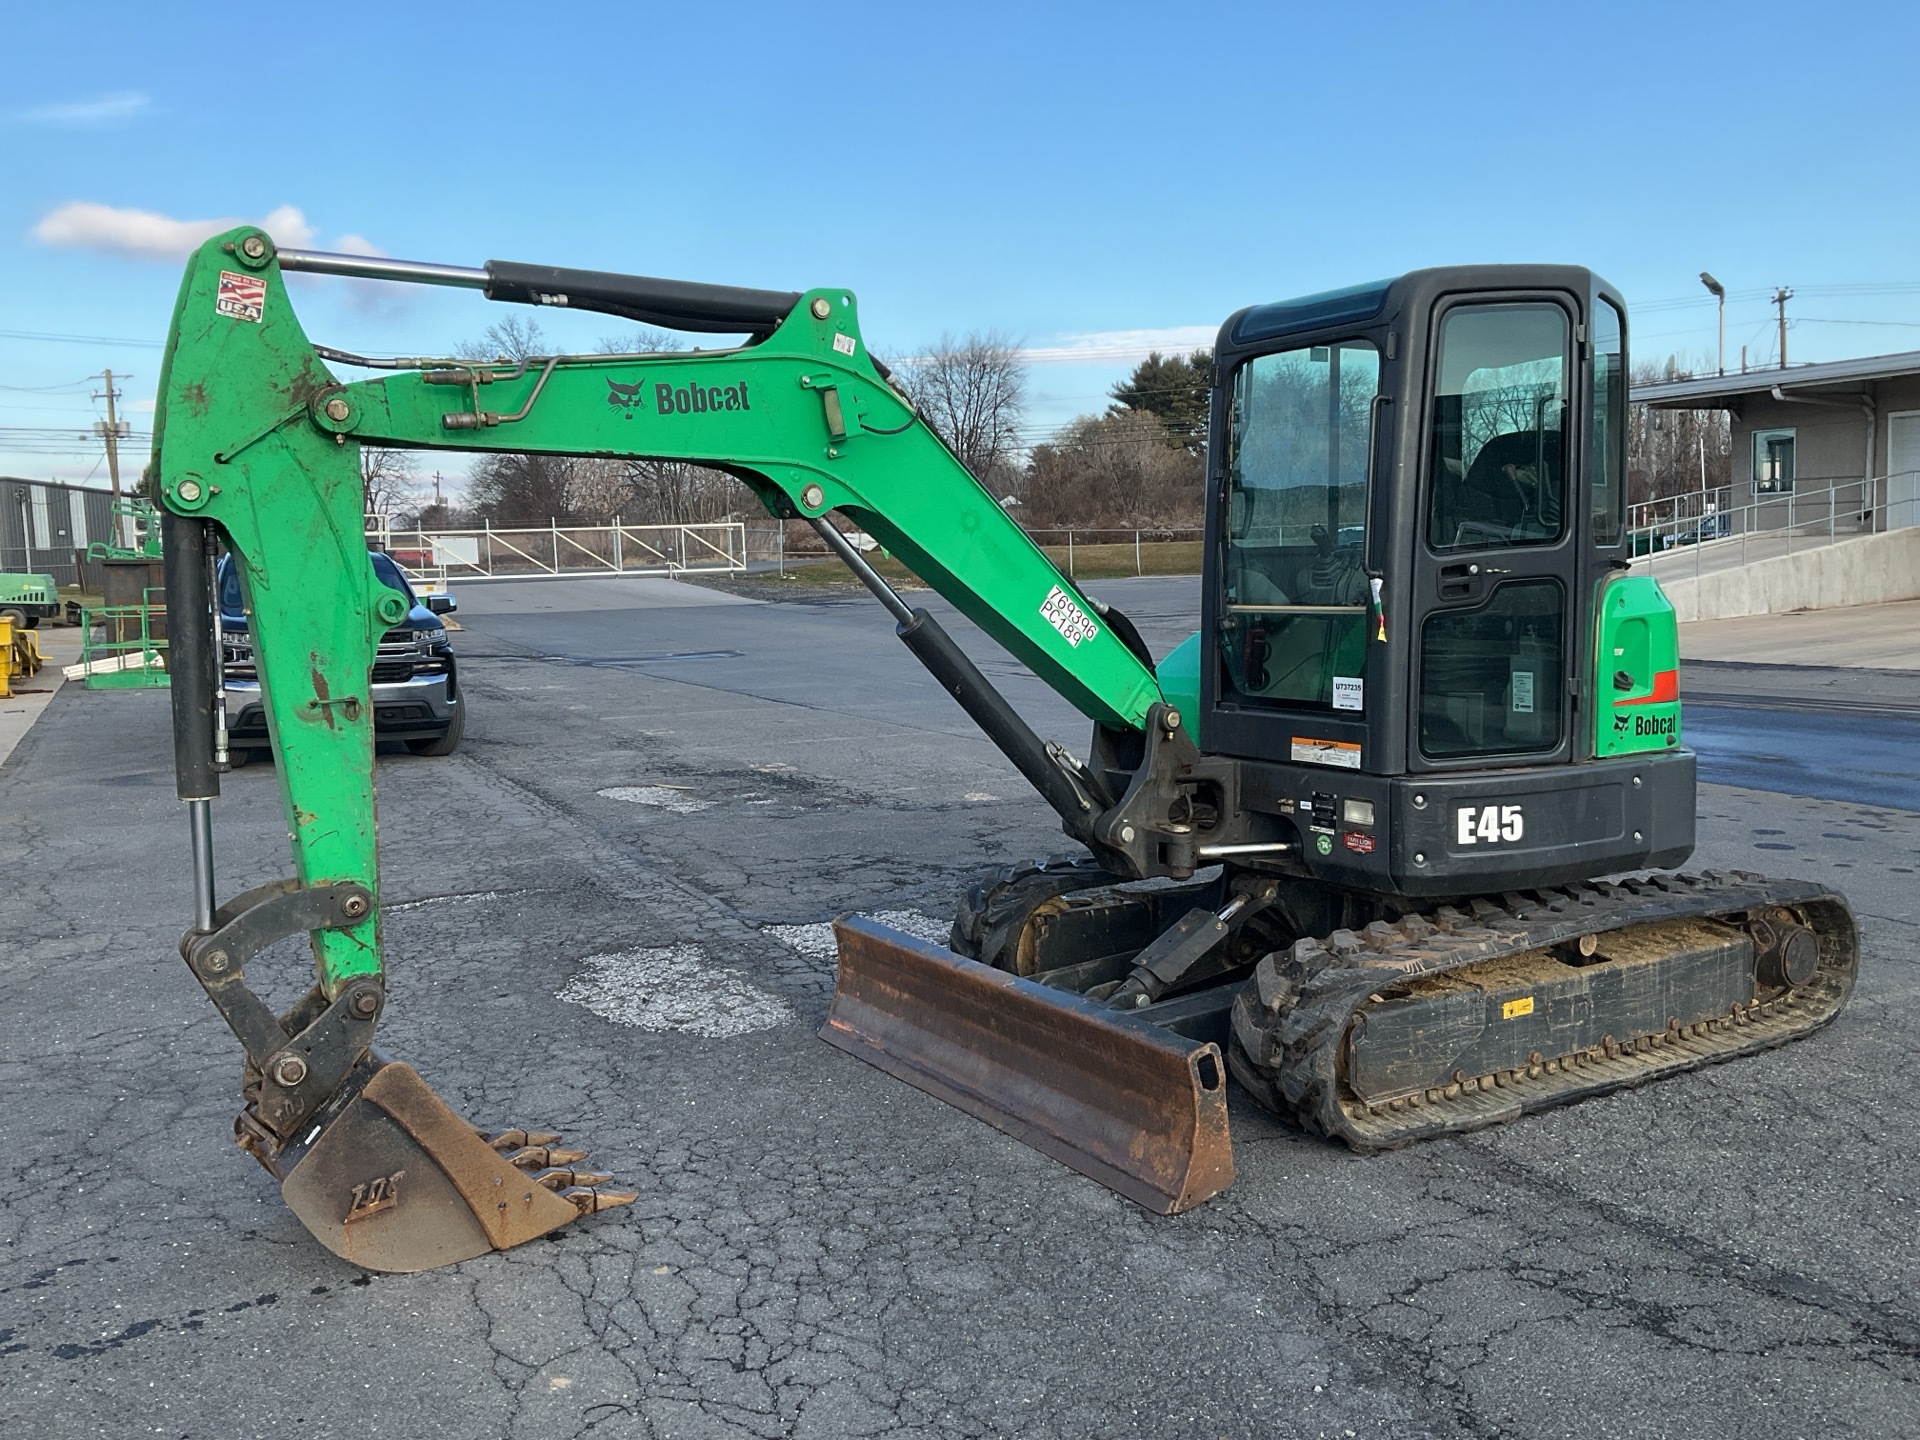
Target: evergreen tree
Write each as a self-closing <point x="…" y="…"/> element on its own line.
<point x="1174" y="388"/>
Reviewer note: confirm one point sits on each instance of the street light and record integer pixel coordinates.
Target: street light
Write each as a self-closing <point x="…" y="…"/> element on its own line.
<point x="1719" y="292"/>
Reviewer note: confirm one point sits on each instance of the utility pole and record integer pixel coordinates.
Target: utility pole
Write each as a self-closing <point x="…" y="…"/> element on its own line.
<point x="1719" y="292"/>
<point x="1780" y="298"/>
<point x="110" y="430"/>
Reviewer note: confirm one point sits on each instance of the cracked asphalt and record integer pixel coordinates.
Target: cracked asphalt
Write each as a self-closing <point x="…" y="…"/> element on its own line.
<point x="818" y="1250"/>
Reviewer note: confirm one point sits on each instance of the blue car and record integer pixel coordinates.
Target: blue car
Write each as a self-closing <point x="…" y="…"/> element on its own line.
<point x="414" y="686"/>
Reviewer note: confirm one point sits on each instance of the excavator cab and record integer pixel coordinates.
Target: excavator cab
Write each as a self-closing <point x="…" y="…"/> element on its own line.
<point x="1415" y="529"/>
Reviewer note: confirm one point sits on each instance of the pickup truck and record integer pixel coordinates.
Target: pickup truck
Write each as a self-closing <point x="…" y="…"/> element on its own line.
<point x="414" y="686"/>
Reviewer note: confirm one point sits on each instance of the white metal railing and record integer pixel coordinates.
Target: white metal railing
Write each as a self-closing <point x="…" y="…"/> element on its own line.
<point x="493" y="554"/>
<point x="1112" y="548"/>
<point x="1720" y="534"/>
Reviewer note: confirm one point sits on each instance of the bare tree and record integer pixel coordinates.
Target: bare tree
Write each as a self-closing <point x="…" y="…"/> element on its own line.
<point x="1123" y="468"/>
<point x="386" y="478"/>
<point x="1675" y="452"/>
<point x="519" y="488"/>
<point x="972" y="391"/>
<point x="513" y="338"/>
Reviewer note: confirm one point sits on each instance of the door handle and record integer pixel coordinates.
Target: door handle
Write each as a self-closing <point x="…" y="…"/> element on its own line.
<point x="1462" y="580"/>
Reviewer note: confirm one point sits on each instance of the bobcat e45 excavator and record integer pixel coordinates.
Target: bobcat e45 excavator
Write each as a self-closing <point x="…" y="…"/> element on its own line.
<point x="1346" y="841"/>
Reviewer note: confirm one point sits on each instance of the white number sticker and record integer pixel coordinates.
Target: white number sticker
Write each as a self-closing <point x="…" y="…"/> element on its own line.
<point x="1488" y="824"/>
<point x="1068" y="618"/>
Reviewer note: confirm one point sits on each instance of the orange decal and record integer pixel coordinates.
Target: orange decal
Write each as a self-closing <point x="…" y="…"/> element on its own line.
<point x="1666" y="688"/>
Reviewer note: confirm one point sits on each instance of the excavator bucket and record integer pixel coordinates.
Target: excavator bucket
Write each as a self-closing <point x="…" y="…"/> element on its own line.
<point x="1137" y="1107"/>
<point x="389" y="1178"/>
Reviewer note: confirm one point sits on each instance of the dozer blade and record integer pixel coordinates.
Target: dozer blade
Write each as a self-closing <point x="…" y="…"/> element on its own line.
<point x="388" y="1177"/>
<point x="1138" y="1108"/>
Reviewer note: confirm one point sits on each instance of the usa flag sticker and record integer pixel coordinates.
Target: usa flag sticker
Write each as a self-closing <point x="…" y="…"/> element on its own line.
<point x="241" y="297"/>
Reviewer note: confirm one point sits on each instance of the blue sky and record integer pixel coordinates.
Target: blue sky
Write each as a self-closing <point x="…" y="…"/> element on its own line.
<point x="1088" y="179"/>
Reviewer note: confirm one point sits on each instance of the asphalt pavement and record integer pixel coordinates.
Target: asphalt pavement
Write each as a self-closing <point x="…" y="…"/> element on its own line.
<point x="604" y="916"/>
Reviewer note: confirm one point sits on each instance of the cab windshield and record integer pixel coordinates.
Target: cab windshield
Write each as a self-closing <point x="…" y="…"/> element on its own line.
<point x="1293" y="625"/>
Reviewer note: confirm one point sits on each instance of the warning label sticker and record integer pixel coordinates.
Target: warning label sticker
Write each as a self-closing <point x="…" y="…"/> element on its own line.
<point x="843" y="344"/>
<point x="1514" y="1009"/>
<point x="1343" y="753"/>
<point x="1059" y="611"/>
<point x="1358" y="841"/>
<point x="1523" y="692"/>
<point x="241" y="297"/>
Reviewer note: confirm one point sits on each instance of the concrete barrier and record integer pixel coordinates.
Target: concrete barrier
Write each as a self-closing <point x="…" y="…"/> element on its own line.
<point x="1867" y="571"/>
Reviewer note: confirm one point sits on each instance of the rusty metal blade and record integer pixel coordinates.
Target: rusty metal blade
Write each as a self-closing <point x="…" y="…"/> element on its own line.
<point x="1138" y="1108"/>
<point x="391" y="1179"/>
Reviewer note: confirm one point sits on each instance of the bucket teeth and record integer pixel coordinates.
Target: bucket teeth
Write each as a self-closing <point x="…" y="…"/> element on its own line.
<point x="558" y="1177"/>
<point x="515" y="1139"/>
<point x="539" y="1157"/>
<point x="590" y="1200"/>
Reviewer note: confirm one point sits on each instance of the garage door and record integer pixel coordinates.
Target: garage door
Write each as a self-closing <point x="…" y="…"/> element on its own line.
<point x="1903" y="469"/>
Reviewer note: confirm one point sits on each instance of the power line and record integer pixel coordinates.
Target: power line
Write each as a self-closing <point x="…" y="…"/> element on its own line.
<point x="81" y="339"/>
<point x="1825" y="320"/>
<point x="49" y="389"/>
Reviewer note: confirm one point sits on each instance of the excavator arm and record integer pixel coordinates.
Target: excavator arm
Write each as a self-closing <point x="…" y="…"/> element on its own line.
<point x="257" y="446"/>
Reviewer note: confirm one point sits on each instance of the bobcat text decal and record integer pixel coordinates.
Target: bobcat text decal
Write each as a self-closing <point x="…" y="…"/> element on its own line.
<point x="698" y="399"/>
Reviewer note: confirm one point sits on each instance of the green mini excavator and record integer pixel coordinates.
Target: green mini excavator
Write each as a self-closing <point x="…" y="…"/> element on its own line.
<point x="1346" y="843"/>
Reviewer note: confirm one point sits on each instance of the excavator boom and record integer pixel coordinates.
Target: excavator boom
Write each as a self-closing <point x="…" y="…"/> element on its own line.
<point x="257" y="447"/>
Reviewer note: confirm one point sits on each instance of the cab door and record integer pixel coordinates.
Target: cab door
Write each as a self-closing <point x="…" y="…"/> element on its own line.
<point x="1498" y="577"/>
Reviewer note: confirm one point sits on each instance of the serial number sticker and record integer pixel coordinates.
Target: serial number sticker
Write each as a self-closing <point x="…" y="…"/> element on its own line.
<point x="843" y="344"/>
<point x="1343" y="753"/>
<point x="1514" y="1009"/>
<point x="1059" y="611"/>
<point x="241" y="297"/>
<point x="1349" y="693"/>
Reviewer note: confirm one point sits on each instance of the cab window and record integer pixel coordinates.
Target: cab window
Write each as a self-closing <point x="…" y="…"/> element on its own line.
<point x="1499" y="420"/>
<point x="1294" y="622"/>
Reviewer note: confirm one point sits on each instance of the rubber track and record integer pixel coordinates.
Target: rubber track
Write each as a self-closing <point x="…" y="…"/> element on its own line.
<point x="998" y="905"/>
<point x="1290" y="1023"/>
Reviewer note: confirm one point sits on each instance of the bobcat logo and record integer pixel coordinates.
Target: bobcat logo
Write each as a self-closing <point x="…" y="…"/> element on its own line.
<point x="625" y="397"/>
<point x="1620" y="723"/>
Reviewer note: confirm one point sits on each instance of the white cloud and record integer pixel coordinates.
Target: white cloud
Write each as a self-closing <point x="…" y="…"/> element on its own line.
<point x="1106" y="346"/>
<point x="369" y="297"/>
<point x="83" y="225"/>
<point x="108" y="109"/>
